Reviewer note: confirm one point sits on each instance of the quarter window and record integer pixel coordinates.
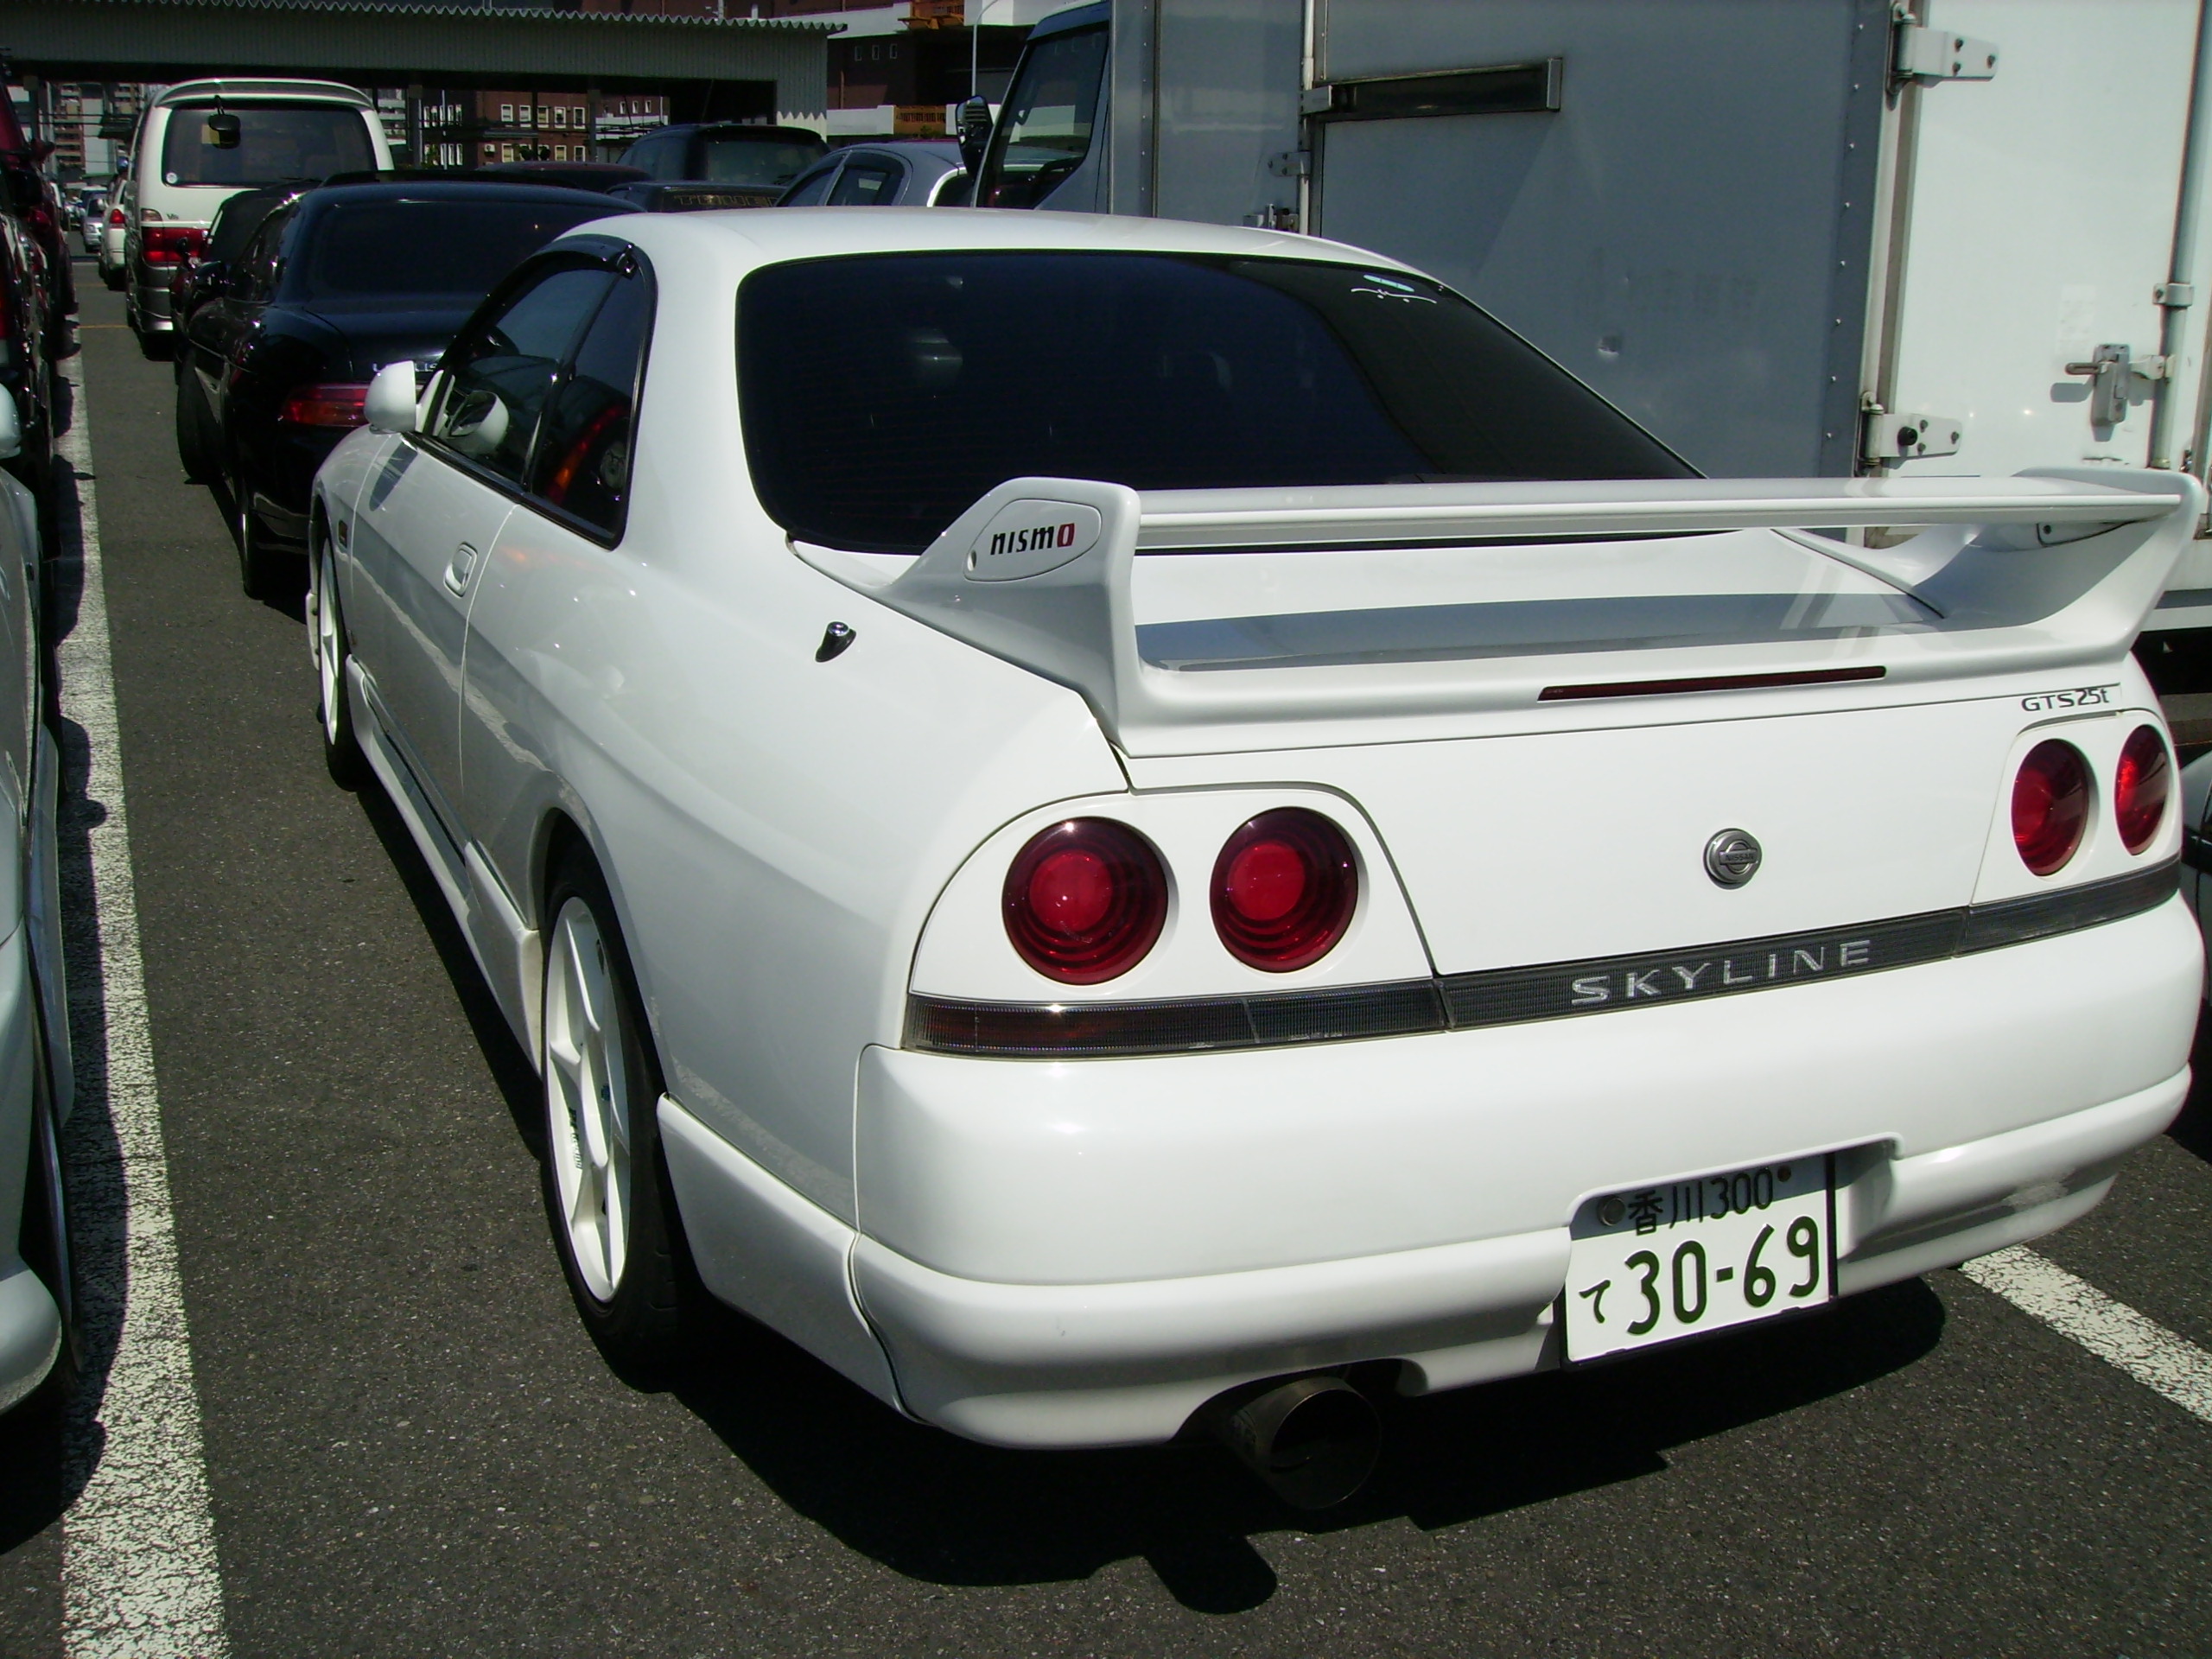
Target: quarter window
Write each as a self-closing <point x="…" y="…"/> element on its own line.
<point x="582" y="465"/>
<point x="809" y="191"/>
<point x="866" y="184"/>
<point x="500" y="373"/>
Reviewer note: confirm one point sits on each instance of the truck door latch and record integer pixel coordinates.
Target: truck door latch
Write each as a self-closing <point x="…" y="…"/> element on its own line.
<point x="2112" y="371"/>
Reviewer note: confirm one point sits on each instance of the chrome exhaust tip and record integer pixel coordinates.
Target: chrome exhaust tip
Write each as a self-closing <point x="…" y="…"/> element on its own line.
<point x="1313" y="1439"/>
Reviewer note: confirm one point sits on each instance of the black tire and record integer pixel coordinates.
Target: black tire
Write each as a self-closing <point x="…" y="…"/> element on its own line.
<point x="341" y="749"/>
<point x="263" y="570"/>
<point x="156" y="344"/>
<point x="113" y="279"/>
<point x="196" y="446"/>
<point x="641" y="1323"/>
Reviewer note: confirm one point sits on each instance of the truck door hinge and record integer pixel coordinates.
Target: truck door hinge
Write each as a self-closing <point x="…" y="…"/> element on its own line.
<point x="1928" y="55"/>
<point x="1291" y="163"/>
<point x="1908" y="435"/>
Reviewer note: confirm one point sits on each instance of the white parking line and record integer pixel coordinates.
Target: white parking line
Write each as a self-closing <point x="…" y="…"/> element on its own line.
<point x="2111" y="1331"/>
<point x="140" y="1578"/>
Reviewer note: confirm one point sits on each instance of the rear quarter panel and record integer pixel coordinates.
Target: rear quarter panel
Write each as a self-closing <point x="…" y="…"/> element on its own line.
<point x="774" y="829"/>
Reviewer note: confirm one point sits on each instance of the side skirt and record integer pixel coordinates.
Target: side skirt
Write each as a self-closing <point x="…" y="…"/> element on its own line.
<point x="507" y="951"/>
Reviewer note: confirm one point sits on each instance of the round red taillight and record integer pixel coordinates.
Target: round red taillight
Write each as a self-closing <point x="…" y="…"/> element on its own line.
<point x="2140" y="789"/>
<point x="1084" y="900"/>
<point x="2051" y="805"/>
<point x="1284" y="889"/>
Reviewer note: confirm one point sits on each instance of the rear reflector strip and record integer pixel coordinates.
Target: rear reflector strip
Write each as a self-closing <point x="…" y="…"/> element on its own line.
<point x="1711" y="683"/>
<point x="1519" y="995"/>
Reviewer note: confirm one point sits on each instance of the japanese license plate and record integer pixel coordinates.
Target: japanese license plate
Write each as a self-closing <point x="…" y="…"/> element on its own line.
<point x="1661" y="1262"/>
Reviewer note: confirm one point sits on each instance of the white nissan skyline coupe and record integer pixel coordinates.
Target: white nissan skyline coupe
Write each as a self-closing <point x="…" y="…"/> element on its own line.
<point x="1117" y="825"/>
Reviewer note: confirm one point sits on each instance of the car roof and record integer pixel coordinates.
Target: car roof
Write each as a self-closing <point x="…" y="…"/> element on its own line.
<point x="740" y="130"/>
<point x="767" y="235"/>
<point x="457" y="190"/>
<point x="323" y="91"/>
<point x="943" y="149"/>
<point x="1061" y="22"/>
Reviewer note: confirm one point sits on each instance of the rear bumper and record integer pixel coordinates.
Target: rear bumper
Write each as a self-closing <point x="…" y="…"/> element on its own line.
<point x="1080" y="1254"/>
<point x="152" y="302"/>
<point x="30" y="1334"/>
<point x="1059" y="1365"/>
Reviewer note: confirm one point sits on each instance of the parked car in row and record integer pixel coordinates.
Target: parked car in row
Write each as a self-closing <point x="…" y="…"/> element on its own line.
<point x="92" y="215"/>
<point x="27" y="375"/>
<point x="916" y="172"/>
<point x="38" y="1303"/>
<point x="1047" y="794"/>
<point x="202" y="141"/>
<point x="750" y="165"/>
<point x="115" y="233"/>
<point x="331" y="286"/>
<point x="234" y="226"/>
<point x="30" y="198"/>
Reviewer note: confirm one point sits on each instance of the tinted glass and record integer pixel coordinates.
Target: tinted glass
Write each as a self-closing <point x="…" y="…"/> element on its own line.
<point x="582" y="464"/>
<point x="445" y="253"/>
<point x="882" y="396"/>
<point x="276" y="142"/>
<point x="663" y="157"/>
<point x="501" y="371"/>
<point x="1043" y="132"/>
<point x="809" y="194"/>
<point x="866" y="184"/>
<point x="235" y="221"/>
<point x="257" y="268"/>
<point x="732" y="160"/>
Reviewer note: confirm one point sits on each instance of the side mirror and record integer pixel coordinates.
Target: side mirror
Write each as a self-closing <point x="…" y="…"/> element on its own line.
<point x="11" y="428"/>
<point x="974" y="136"/>
<point x="390" y="405"/>
<point x="223" y="129"/>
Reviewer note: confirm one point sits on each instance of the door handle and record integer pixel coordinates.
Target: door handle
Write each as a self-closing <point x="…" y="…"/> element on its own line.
<point x="462" y="567"/>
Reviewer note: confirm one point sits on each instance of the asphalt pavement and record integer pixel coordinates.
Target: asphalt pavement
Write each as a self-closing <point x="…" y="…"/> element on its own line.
<point x="412" y="1448"/>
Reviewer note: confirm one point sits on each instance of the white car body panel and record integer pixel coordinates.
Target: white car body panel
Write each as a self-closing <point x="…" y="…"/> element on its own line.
<point x="1071" y="1251"/>
<point x="31" y="982"/>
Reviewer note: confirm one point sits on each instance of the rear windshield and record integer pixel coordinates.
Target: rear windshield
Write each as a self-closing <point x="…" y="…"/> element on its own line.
<point x="883" y="395"/>
<point x="422" y="250"/>
<point x="276" y="142"/>
<point x="756" y="161"/>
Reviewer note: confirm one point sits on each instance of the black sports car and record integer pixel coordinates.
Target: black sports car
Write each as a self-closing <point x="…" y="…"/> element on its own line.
<point x="331" y="287"/>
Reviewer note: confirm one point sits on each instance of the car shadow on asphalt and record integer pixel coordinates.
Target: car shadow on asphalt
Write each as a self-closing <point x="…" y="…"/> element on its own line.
<point x="289" y="598"/>
<point x="944" y="1510"/>
<point x="511" y="1071"/>
<point x="2192" y="1130"/>
<point x="941" y="1510"/>
<point x="50" y="1446"/>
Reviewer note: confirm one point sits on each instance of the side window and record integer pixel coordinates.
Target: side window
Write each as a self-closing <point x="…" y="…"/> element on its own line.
<point x="809" y="191"/>
<point x="867" y="184"/>
<point x="661" y="155"/>
<point x="500" y="372"/>
<point x="583" y="461"/>
<point x="257" y="264"/>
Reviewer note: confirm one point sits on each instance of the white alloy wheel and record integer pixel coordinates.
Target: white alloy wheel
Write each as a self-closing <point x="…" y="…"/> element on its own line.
<point x="349" y="768"/>
<point x="330" y="670"/>
<point x="589" y="1108"/>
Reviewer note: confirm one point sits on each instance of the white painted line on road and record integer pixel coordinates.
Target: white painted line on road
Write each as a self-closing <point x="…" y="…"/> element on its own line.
<point x="140" y="1578"/>
<point x="2111" y="1330"/>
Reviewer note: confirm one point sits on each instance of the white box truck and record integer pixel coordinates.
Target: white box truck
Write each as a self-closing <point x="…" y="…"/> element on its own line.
<point x="1823" y="237"/>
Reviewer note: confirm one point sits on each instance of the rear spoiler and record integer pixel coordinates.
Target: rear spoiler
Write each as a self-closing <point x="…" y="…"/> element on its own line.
<point x="2048" y="569"/>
